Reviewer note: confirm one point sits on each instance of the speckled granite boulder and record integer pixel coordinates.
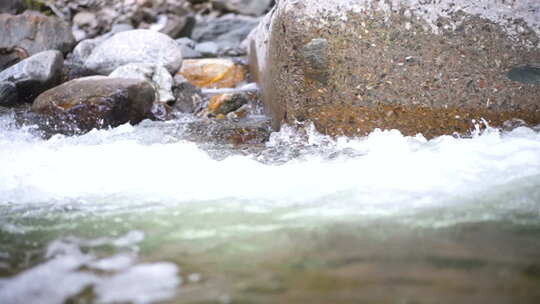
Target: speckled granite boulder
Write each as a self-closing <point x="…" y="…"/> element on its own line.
<point x="351" y="66"/>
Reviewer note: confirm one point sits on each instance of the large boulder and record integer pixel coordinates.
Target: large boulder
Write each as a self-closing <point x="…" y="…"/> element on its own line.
<point x="35" y="74"/>
<point x="97" y="102"/>
<point x="35" y="32"/>
<point x="137" y="46"/>
<point x="417" y="66"/>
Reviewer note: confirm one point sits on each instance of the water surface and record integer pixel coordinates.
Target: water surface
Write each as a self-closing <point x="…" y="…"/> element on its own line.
<point x="142" y="215"/>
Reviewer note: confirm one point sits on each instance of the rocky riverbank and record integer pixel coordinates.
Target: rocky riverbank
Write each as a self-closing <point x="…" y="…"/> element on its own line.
<point x="71" y="66"/>
<point x="347" y="66"/>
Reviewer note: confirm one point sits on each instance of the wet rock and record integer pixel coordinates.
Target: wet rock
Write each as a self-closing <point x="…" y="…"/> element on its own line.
<point x="227" y="32"/>
<point x="35" y="74"/>
<point x="255" y="130"/>
<point x="188" y="98"/>
<point x="353" y="66"/>
<point x="137" y="46"/>
<point x="97" y="102"/>
<point x="213" y="72"/>
<point x="8" y="93"/>
<point x="35" y="32"/>
<point x="243" y="7"/>
<point x="158" y="76"/>
<point x="223" y="104"/>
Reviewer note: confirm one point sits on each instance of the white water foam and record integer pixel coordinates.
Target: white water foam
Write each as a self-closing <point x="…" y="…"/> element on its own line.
<point x="388" y="173"/>
<point x="68" y="271"/>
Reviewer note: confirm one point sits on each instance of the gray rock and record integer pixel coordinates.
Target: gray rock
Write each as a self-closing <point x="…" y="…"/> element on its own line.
<point x="207" y="49"/>
<point x="8" y="93"/>
<point x="158" y="76"/>
<point x="11" y="6"/>
<point x="188" y="48"/>
<point x="35" y="32"/>
<point x="173" y="26"/>
<point x="351" y="66"/>
<point x="227" y="31"/>
<point x="189" y="98"/>
<point x="36" y="73"/>
<point x="84" y="49"/>
<point x="97" y="102"/>
<point x="137" y="46"/>
<point x="244" y="7"/>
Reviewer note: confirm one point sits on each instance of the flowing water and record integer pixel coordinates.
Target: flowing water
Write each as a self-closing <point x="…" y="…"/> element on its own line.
<point x="142" y="215"/>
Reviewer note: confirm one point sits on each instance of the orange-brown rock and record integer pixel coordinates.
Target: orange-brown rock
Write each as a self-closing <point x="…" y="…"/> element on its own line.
<point x="223" y="104"/>
<point x="213" y="72"/>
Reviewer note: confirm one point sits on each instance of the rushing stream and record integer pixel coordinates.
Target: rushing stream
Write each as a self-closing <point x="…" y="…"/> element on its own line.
<point x="142" y="215"/>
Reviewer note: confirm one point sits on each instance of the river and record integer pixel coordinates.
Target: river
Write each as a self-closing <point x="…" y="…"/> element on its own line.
<point x="140" y="214"/>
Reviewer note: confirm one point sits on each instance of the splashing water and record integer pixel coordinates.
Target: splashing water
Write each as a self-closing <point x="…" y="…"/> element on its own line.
<point x="68" y="203"/>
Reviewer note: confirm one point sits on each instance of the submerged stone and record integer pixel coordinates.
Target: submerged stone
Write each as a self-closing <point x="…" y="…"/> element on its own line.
<point x="223" y="104"/>
<point x="353" y="66"/>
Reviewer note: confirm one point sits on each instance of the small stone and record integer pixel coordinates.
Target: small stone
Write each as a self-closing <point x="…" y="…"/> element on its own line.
<point x="213" y="73"/>
<point x="158" y="76"/>
<point x="223" y="104"/>
<point x="228" y="32"/>
<point x="174" y="25"/>
<point x="207" y="49"/>
<point x="189" y="98"/>
<point x="188" y="48"/>
<point x="244" y="7"/>
<point x="97" y="102"/>
<point x="35" y="74"/>
<point x="85" y="19"/>
<point x="240" y="113"/>
<point x="137" y="46"/>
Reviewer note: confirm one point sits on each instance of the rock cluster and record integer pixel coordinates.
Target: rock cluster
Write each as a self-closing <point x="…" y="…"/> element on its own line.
<point x="349" y="66"/>
<point x="51" y="53"/>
